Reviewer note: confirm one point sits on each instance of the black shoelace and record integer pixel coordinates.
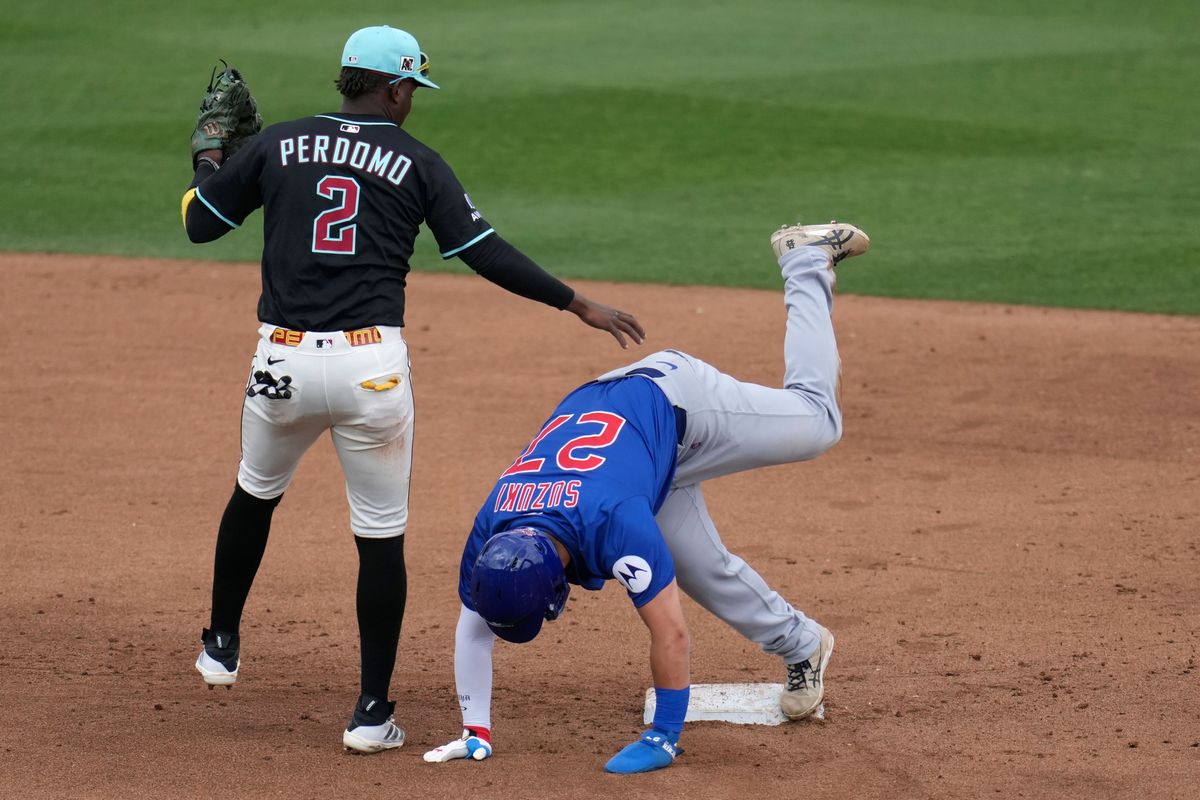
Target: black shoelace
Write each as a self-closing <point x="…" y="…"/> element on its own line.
<point x="796" y="679"/>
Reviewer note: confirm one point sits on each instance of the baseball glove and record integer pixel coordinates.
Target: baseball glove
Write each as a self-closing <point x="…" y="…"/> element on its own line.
<point x="228" y="114"/>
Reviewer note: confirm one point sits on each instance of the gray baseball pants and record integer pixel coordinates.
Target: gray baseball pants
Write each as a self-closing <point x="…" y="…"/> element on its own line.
<point x="734" y="426"/>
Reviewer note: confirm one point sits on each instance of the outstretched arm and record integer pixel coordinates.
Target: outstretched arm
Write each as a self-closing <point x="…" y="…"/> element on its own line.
<point x="619" y="323"/>
<point x="669" y="663"/>
<point x="509" y="268"/>
<point x="669" y="641"/>
<point x="473" y="642"/>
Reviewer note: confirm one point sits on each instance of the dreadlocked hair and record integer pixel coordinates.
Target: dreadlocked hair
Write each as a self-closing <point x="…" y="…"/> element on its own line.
<point x="355" y="82"/>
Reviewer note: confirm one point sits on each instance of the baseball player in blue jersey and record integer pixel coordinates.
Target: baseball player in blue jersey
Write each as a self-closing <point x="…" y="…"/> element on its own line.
<point x="609" y="489"/>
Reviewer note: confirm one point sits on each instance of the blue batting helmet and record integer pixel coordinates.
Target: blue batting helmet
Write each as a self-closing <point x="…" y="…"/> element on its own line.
<point x="518" y="582"/>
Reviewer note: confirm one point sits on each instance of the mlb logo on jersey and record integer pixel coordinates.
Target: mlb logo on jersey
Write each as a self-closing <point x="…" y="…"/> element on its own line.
<point x="323" y="343"/>
<point x="350" y="128"/>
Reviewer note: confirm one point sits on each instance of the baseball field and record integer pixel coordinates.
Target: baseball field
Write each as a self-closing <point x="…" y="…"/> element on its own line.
<point x="1005" y="542"/>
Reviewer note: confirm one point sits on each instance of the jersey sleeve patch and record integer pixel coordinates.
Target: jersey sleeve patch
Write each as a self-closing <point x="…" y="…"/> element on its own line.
<point x="634" y="547"/>
<point x="634" y="573"/>
<point x="450" y="213"/>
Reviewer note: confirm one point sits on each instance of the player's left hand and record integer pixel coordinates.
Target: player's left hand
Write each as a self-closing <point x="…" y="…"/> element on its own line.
<point x="619" y="323"/>
<point x="228" y="115"/>
<point x="469" y="747"/>
<point x="654" y="750"/>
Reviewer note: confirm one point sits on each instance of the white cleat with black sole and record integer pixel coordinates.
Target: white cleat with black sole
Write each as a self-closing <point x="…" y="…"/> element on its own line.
<point x="373" y="728"/>
<point x="218" y="662"/>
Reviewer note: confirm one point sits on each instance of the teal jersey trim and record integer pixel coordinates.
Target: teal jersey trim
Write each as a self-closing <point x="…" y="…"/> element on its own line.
<point x="451" y="253"/>
<point x="213" y="209"/>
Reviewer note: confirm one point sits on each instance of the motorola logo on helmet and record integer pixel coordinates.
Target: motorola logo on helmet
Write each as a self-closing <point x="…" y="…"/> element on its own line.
<point x="518" y="583"/>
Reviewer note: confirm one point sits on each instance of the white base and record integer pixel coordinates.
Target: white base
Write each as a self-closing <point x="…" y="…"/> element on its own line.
<point x="739" y="703"/>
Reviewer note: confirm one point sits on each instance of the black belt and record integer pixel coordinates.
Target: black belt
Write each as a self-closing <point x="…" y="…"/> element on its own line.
<point x="680" y="424"/>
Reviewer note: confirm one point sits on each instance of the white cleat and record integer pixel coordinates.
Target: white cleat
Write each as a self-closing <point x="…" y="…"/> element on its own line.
<point x="214" y="672"/>
<point x="838" y="239"/>
<point x="373" y="728"/>
<point x="374" y="738"/>
<point x="218" y="662"/>
<point x="806" y="681"/>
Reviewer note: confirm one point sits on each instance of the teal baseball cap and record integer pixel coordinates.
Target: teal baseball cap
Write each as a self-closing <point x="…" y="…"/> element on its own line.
<point x="388" y="50"/>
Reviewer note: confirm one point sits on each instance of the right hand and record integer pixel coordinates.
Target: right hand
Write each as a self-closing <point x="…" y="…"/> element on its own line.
<point x="469" y="747"/>
<point x="618" y="323"/>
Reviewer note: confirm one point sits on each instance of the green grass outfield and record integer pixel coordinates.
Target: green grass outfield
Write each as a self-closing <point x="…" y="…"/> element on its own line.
<point x="1014" y="150"/>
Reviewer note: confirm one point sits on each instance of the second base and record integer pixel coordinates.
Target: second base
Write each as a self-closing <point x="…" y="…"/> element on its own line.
<point x="739" y="703"/>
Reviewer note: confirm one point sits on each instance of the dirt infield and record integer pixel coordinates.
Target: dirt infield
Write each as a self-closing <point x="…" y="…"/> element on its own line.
<point x="1005" y="543"/>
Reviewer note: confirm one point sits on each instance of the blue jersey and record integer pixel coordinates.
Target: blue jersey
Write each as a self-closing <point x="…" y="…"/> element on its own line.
<point x="593" y="478"/>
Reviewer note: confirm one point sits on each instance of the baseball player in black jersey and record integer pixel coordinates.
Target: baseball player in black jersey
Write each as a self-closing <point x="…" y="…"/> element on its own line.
<point x="343" y="195"/>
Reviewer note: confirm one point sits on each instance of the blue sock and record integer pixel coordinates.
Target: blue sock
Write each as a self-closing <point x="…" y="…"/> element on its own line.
<point x="669" y="710"/>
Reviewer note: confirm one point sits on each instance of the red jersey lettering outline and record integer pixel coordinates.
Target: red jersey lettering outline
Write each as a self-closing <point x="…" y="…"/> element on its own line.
<point x="527" y="490"/>
<point x="537" y="503"/>
<point x="510" y="496"/>
<point x="613" y="424"/>
<point x="526" y="464"/>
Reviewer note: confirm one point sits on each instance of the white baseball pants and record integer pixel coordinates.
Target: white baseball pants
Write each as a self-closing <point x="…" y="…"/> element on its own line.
<point x="360" y="394"/>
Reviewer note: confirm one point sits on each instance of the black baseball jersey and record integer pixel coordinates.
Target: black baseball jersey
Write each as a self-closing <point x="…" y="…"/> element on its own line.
<point x="344" y="196"/>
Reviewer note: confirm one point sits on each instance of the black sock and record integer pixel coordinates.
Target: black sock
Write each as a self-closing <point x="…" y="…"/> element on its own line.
<point x="241" y="541"/>
<point x="382" y="590"/>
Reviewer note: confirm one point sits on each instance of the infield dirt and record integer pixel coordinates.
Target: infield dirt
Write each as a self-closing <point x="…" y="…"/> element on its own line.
<point x="1005" y="544"/>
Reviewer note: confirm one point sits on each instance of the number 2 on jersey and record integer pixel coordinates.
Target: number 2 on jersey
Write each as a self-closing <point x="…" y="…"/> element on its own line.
<point x="611" y="425"/>
<point x="331" y="234"/>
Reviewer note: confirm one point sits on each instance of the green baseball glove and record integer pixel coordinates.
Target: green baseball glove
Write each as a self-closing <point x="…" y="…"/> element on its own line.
<point x="228" y="114"/>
